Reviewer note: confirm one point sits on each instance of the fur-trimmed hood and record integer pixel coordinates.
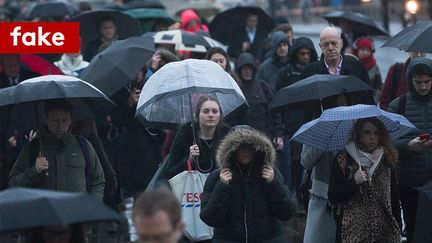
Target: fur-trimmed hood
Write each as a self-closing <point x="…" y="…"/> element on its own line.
<point x="239" y="136"/>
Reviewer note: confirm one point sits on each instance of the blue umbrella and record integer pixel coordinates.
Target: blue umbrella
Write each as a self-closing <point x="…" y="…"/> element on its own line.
<point x="332" y="130"/>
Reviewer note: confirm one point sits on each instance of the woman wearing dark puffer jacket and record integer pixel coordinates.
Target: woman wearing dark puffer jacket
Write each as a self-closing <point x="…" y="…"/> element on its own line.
<point x="244" y="199"/>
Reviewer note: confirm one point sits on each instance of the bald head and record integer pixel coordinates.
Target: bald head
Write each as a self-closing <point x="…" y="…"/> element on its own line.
<point x="331" y="45"/>
<point x="329" y="32"/>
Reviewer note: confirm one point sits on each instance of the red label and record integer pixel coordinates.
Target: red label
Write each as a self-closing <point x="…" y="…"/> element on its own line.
<point x="39" y="37"/>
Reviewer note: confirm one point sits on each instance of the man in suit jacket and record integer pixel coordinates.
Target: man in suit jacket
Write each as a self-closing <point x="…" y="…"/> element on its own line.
<point x="13" y="73"/>
<point x="333" y="62"/>
<point x="247" y="39"/>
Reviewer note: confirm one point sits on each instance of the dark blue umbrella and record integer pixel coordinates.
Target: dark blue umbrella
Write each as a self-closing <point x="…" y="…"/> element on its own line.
<point x="22" y="208"/>
<point x="332" y="130"/>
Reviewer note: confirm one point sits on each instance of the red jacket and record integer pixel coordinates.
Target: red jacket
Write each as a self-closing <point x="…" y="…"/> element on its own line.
<point x="402" y="89"/>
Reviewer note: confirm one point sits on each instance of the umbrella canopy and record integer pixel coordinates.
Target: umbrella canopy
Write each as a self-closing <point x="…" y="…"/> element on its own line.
<point x="315" y="88"/>
<point x="118" y="65"/>
<point x="144" y="4"/>
<point x="414" y="38"/>
<point x="423" y="226"/>
<point x="363" y="23"/>
<point x="25" y="101"/>
<point x="166" y="99"/>
<point x="228" y="21"/>
<point x="51" y="9"/>
<point x="186" y="41"/>
<point x="23" y="208"/>
<point x="37" y="64"/>
<point x="148" y="17"/>
<point x="332" y="130"/>
<point x="90" y="20"/>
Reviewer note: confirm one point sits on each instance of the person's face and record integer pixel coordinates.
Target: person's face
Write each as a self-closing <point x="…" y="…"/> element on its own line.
<point x="345" y="25"/>
<point x="11" y="65"/>
<point x="58" y="122"/>
<point x="422" y="83"/>
<point x="369" y="137"/>
<point x="108" y="30"/>
<point x="244" y="154"/>
<point x="246" y="72"/>
<point x="363" y="53"/>
<point x="219" y="59"/>
<point x="415" y="54"/>
<point x="192" y="24"/>
<point x="252" y="22"/>
<point x="157" y="228"/>
<point x="342" y="100"/>
<point x="282" y="49"/>
<point x="331" y="46"/>
<point x="304" y="56"/>
<point x="56" y="234"/>
<point x="209" y="114"/>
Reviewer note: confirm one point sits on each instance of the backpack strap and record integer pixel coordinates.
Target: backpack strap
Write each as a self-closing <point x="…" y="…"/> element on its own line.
<point x="402" y="105"/>
<point x="396" y="79"/>
<point x="84" y="144"/>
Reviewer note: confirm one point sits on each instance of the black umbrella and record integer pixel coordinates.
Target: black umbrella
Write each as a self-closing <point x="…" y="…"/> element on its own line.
<point x="423" y="225"/>
<point x="362" y="23"/>
<point x="144" y="4"/>
<point x="315" y="88"/>
<point x="24" y="102"/>
<point x="230" y="20"/>
<point x="90" y="20"/>
<point x="414" y="38"/>
<point x="23" y="208"/>
<point x="51" y="9"/>
<point x="118" y="65"/>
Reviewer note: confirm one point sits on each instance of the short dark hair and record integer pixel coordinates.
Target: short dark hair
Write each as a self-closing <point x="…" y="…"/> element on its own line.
<point x="58" y="104"/>
<point x="421" y="70"/>
<point x="149" y="203"/>
<point x="285" y="27"/>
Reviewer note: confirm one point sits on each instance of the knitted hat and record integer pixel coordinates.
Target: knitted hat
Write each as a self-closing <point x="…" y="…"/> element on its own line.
<point x="364" y="42"/>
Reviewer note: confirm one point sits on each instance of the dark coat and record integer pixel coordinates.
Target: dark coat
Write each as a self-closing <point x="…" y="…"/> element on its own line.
<point x="179" y="152"/>
<point x="23" y="75"/>
<point x="91" y="49"/>
<point x="350" y="66"/>
<point x="369" y="212"/>
<point x="415" y="167"/>
<point x="248" y="208"/>
<point x="141" y="147"/>
<point x="240" y="36"/>
<point x="258" y="95"/>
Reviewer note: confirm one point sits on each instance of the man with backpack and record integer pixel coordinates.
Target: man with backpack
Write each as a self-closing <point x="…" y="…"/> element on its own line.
<point x="58" y="160"/>
<point x="415" y="153"/>
<point x="395" y="83"/>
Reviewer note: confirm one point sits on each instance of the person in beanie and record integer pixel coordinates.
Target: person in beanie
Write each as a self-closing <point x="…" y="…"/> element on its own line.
<point x="245" y="198"/>
<point x="364" y="48"/>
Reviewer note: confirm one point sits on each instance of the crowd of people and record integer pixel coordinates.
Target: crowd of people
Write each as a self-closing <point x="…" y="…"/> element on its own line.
<point x="255" y="172"/>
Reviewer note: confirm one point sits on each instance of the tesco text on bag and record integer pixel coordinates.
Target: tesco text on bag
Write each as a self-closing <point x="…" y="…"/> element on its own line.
<point x="39" y="37"/>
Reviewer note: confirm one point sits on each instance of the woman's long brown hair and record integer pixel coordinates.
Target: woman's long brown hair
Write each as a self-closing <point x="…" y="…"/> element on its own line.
<point x="390" y="153"/>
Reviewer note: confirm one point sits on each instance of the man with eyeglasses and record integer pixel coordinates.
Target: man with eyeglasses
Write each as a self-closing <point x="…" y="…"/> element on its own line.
<point x="415" y="153"/>
<point x="157" y="217"/>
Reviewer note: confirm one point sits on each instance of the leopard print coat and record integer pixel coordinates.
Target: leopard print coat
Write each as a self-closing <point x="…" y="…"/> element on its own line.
<point x="367" y="215"/>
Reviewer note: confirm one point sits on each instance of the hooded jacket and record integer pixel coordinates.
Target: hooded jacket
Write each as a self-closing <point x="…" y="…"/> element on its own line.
<point x="189" y="15"/>
<point x="415" y="167"/>
<point x="248" y="209"/>
<point x="269" y="70"/>
<point x="259" y="95"/>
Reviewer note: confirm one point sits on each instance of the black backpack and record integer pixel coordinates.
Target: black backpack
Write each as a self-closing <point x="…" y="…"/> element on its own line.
<point x="84" y="144"/>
